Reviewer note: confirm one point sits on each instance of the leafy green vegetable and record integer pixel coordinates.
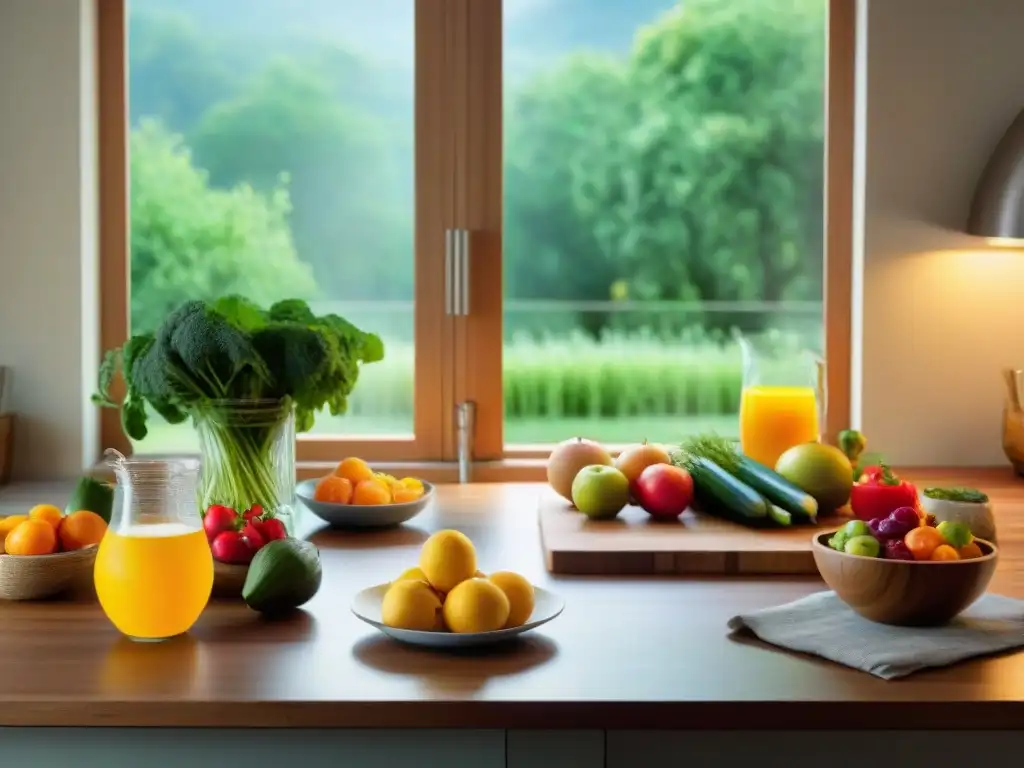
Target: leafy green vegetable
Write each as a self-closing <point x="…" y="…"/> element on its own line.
<point x="968" y="495"/>
<point x="209" y="360"/>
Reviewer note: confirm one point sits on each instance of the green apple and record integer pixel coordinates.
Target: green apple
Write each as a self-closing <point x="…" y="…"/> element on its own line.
<point x="856" y="528"/>
<point x="865" y="546"/>
<point x="600" y="492"/>
<point x="957" y="533"/>
<point x="838" y="540"/>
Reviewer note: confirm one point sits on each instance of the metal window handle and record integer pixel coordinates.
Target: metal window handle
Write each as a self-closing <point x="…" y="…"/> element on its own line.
<point x="465" y="432"/>
<point x="456" y="272"/>
<point x="449" y="271"/>
<point x="463" y="273"/>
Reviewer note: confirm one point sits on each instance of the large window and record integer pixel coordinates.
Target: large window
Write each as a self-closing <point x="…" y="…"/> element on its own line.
<point x="557" y="209"/>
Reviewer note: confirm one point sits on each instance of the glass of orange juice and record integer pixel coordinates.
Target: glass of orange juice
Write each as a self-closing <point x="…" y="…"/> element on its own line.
<point x="782" y="399"/>
<point x="154" y="568"/>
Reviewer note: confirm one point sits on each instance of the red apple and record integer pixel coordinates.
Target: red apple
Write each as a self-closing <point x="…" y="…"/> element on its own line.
<point x="664" y="491"/>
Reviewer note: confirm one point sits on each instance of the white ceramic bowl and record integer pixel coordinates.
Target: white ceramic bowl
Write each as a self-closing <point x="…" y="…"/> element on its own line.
<point x="366" y="606"/>
<point x="363" y="516"/>
<point x="977" y="516"/>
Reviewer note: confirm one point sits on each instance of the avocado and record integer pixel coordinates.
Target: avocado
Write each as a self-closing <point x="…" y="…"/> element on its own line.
<point x="284" y="574"/>
<point x="93" y="495"/>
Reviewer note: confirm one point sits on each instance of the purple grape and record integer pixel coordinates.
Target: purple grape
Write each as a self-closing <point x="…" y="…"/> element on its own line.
<point x="893" y="529"/>
<point x="907" y="517"/>
<point x="896" y="549"/>
<point x="874" y="524"/>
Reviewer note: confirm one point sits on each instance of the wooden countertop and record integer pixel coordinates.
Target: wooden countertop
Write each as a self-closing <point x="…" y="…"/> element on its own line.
<point x="627" y="652"/>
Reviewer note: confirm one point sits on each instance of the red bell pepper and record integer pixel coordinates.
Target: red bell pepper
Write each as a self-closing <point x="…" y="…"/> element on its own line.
<point x="870" y="473"/>
<point x="878" y="493"/>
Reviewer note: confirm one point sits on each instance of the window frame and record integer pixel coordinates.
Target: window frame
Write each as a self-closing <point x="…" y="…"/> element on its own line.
<point x="458" y="183"/>
<point x="433" y="181"/>
<point x="481" y="178"/>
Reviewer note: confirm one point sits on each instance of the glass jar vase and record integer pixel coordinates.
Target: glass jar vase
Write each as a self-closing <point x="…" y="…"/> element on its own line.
<point x="247" y="450"/>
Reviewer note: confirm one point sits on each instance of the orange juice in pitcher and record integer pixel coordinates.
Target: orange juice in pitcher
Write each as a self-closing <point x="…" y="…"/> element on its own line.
<point x="154" y="568"/>
<point x="782" y="398"/>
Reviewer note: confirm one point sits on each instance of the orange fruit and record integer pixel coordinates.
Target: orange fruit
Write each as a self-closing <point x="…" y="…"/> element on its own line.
<point x="354" y="470"/>
<point x="31" y="537"/>
<point x="923" y="541"/>
<point x="8" y="524"/>
<point x="944" y="552"/>
<point x="81" y="529"/>
<point x="969" y="551"/>
<point x="403" y="495"/>
<point x="371" y="492"/>
<point x="334" y="489"/>
<point x="47" y="513"/>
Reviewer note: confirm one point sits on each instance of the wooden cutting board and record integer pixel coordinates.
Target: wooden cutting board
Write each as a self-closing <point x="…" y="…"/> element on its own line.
<point x="632" y="544"/>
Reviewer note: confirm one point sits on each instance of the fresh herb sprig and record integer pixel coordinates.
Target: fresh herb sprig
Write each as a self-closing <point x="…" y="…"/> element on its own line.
<point x="966" y="495"/>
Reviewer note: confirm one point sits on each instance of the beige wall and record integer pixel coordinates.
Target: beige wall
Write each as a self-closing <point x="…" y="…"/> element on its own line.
<point x="47" y="231"/>
<point x="939" y="313"/>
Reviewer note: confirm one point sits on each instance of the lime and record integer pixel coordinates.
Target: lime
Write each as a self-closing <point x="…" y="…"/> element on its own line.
<point x="956" y="533"/>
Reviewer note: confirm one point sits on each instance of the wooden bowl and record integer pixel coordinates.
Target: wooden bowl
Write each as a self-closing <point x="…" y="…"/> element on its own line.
<point x="905" y="593"/>
<point x="228" y="579"/>
<point x="36" y="577"/>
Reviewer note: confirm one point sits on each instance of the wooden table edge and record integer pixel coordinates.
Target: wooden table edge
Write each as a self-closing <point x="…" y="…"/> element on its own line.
<point x="545" y="715"/>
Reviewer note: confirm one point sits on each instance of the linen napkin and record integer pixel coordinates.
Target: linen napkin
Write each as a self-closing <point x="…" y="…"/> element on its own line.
<point x="821" y="624"/>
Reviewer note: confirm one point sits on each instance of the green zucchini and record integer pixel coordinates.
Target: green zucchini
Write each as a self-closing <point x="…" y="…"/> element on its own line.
<point x="778" y="515"/>
<point x="718" y="491"/>
<point x="776" y="488"/>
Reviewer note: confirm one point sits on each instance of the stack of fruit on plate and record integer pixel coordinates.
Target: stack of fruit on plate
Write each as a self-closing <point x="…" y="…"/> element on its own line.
<point x="446" y="592"/>
<point x="355" y="482"/>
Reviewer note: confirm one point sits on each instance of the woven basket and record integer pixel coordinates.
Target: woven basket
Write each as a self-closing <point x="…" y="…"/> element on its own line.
<point x="228" y="579"/>
<point x="35" y="577"/>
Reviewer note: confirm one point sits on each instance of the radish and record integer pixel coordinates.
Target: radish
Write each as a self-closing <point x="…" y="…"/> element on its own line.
<point x="272" y="529"/>
<point x="255" y="511"/>
<point x="232" y="547"/>
<point x="219" y="519"/>
<point x="253" y="535"/>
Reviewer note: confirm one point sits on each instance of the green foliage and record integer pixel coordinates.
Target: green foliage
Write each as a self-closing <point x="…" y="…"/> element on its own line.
<point x="694" y="171"/>
<point x="191" y="241"/>
<point x="625" y="376"/>
<point x="348" y="222"/>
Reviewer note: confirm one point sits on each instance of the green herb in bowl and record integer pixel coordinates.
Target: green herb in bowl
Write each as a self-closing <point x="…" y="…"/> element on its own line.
<point x="965" y="495"/>
<point x="966" y="505"/>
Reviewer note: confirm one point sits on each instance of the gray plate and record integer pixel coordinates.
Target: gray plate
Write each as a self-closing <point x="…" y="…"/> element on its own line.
<point x="357" y="516"/>
<point x="366" y="606"/>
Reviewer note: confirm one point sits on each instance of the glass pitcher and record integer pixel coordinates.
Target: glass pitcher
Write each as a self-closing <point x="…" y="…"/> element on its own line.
<point x="154" y="568"/>
<point x="783" y="397"/>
